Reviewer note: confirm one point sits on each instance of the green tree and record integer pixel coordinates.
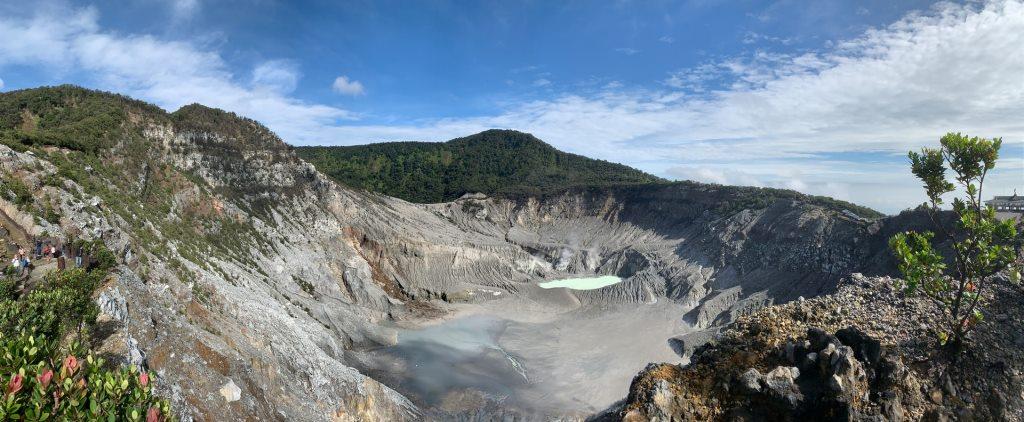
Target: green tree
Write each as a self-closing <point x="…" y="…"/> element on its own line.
<point x="980" y="245"/>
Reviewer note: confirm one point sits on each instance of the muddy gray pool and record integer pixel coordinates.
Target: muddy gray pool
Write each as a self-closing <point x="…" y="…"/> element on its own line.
<point x="574" y="364"/>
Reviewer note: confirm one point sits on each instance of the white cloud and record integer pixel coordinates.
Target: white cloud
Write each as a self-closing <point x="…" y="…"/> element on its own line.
<point x="524" y="69"/>
<point x="541" y="82"/>
<point x="746" y="73"/>
<point x="786" y="120"/>
<point x="277" y="75"/>
<point x="1" y="84"/>
<point x="627" y="51"/>
<point x="168" y="73"/>
<point x="762" y="17"/>
<point x="694" y="79"/>
<point x="41" y="40"/>
<point x="667" y="39"/>
<point x="889" y="90"/>
<point x="751" y="37"/>
<point x="343" y="85"/>
<point x="184" y="9"/>
<point x="822" y="177"/>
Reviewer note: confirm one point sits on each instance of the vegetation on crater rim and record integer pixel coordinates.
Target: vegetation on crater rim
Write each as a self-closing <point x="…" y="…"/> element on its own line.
<point x="981" y="243"/>
<point x="508" y="163"/>
<point x="495" y="162"/>
<point x="44" y="330"/>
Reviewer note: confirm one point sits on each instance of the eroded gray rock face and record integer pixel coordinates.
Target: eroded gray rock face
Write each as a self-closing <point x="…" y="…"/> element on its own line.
<point x="672" y="242"/>
<point x="314" y="268"/>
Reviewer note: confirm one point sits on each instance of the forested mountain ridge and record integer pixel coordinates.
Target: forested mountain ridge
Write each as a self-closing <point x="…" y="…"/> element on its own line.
<point x="507" y="163"/>
<point x="495" y="162"/>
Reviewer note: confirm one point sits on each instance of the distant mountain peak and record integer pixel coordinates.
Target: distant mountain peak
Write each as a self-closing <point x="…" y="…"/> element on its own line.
<point x="498" y="162"/>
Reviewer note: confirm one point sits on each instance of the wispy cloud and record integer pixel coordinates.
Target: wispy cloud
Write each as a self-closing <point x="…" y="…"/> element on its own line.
<point x="627" y="51"/>
<point x="524" y="69"/>
<point x="343" y="85"/>
<point x="169" y="73"/>
<point x="277" y="75"/>
<point x="764" y="118"/>
<point x="541" y="82"/>
<point x="768" y="118"/>
<point x="667" y="39"/>
<point x="752" y="71"/>
<point x="762" y="17"/>
<point x="751" y="37"/>
<point x="184" y="9"/>
<point x="695" y="79"/>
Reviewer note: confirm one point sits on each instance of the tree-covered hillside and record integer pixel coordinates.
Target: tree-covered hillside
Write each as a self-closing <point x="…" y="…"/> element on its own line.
<point x="505" y="163"/>
<point x="67" y="116"/>
<point x="495" y="162"/>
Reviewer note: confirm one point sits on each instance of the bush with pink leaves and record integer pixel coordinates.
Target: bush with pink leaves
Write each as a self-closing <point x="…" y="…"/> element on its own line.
<point x="41" y="381"/>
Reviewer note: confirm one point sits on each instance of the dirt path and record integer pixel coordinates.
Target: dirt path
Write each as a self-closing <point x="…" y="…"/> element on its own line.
<point x="16" y="233"/>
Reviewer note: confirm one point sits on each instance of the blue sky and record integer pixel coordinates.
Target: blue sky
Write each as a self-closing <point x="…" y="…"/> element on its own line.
<point x="824" y="97"/>
<point x="437" y="59"/>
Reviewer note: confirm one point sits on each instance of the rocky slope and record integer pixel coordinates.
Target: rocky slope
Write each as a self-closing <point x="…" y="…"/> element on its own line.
<point x="677" y="242"/>
<point x="862" y="353"/>
<point x="246" y="275"/>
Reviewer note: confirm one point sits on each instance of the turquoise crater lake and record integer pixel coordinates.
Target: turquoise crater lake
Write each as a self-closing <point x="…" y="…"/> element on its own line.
<point x="586" y="283"/>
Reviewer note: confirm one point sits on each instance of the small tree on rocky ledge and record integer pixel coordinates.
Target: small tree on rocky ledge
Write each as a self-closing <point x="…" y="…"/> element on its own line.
<point x="980" y="244"/>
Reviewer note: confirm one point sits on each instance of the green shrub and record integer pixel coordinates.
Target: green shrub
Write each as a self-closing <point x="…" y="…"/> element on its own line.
<point x="102" y="258"/>
<point x="7" y="286"/>
<point x="305" y="285"/>
<point x="61" y="303"/>
<point x="201" y="294"/>
<point x="50" y="213"/>
<point x="505" y="163"/>
<point x="981" y="244"/>
<point x="15" y="190"/>
<point x="42" y="382"/>
<point x="105" y="258"/>
<point x="16" y="139"/>
<point x="38" y="381"/>
<point x="53" y="179"/>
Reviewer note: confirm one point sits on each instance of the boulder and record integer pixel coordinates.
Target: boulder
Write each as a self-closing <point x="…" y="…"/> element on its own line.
<point x="866" y="348"/>
<point x="780" y="384"/>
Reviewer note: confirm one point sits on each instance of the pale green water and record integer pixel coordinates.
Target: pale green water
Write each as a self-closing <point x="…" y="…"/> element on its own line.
<point x="588" y="283"/>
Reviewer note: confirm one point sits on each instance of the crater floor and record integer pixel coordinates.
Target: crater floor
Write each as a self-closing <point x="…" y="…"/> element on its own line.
<point x="526" y="355"/>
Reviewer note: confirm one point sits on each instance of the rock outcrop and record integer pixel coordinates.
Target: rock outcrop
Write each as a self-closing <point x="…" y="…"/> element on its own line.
<point x="861" y="353"/>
